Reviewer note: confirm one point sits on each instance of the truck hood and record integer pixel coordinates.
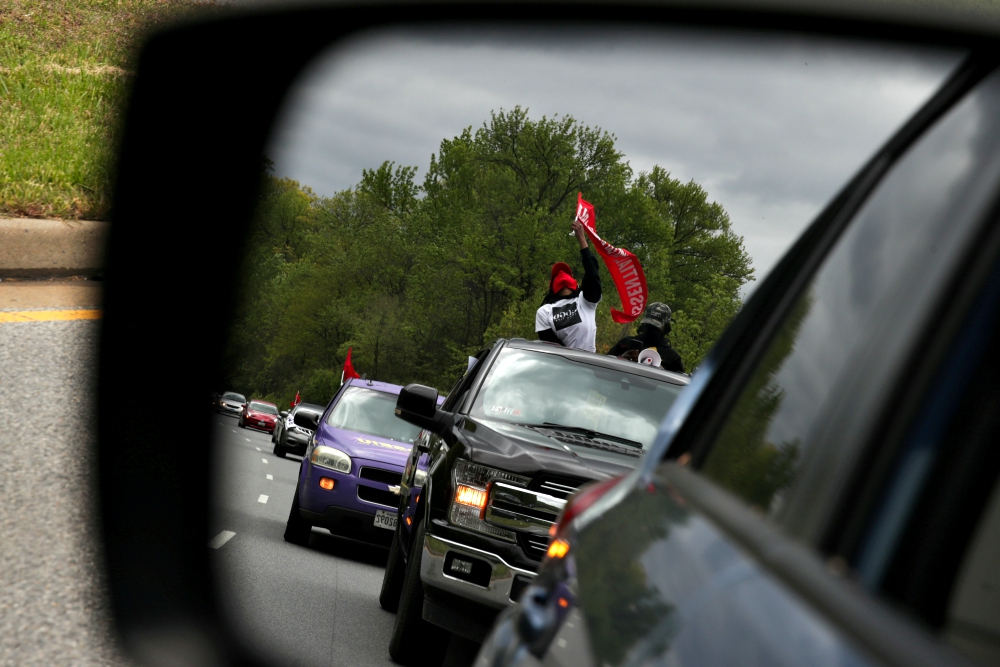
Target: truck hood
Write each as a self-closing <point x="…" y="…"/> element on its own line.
<point x="364" y="446"/>
<point x="524" y="450"/>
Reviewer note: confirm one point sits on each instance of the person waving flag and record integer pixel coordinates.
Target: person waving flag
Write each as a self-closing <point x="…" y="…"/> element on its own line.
<point x="567" y="316"/>
<point x="626" y="271"/>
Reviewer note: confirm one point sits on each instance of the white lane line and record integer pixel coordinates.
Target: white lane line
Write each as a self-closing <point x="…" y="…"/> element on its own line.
<point x="248" y="439"/>
<point x="257" y="448"/>
<point x="264" y="460"/>
<point x="221" y="539"/>
<point x="234" y="430"/>
<point x="262" y="499"/>
<point x="270" y="476"/>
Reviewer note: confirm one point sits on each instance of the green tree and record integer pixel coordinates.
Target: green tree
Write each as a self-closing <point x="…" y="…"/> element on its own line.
<point x="415" y="278"/>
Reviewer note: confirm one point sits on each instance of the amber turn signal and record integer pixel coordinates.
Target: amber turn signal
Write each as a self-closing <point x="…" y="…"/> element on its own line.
<point x="466" y="495"/>
<point x="558" y="549"/>
<point x="325" y="483"/>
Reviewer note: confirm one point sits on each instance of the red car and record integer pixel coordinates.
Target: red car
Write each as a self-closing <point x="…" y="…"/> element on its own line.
<point x="260" y="415"/>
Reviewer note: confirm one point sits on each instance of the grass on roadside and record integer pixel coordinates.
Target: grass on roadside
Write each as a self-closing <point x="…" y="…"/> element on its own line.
<point x="64" y="74"/>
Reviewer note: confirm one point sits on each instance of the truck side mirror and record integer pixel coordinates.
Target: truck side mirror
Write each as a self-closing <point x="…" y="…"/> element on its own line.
<point x="417" y="405"/>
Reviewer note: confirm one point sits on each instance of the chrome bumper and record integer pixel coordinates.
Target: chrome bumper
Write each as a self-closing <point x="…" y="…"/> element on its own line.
<point x="496" y="595"/>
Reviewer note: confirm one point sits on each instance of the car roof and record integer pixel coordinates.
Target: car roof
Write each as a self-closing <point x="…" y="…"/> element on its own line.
<point x="310" y="406"/>
<point x="376" y="385"/>
<point x="386" y="387"/>
<point x="604" y="360"/>
<point x="257" y="400"/>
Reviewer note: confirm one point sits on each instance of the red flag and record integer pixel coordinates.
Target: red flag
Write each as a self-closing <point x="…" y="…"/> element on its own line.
<point x="297" y="400"/>
<point x="625" y="268"/>
<point x="349" y="371"/>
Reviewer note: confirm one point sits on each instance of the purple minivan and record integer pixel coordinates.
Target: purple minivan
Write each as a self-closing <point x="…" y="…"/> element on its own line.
<point x="350" y="474"/>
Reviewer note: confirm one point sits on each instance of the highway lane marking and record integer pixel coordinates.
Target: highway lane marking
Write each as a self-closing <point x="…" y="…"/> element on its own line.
<point x="48" y="315"/>
<point x="264" y="460"/>
<point x="221" y="539"/>
<point x="262" y="499"/>
<point x="248" y="439"/>
<point x="270" y="476"/>
<point x="257" y="448"/>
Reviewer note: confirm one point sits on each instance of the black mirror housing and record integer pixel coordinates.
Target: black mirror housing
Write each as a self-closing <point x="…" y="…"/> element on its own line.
<point x="309" y="420"/>
<point x="417" y="405"/>
<point x="283" y="413"/>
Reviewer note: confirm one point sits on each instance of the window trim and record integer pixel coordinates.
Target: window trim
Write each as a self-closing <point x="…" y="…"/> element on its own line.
<point x="693" y="424"/>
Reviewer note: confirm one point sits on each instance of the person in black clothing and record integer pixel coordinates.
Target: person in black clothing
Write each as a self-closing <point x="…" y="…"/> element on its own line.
<point x="652" y="332"/>
<point x="568" y="315"/>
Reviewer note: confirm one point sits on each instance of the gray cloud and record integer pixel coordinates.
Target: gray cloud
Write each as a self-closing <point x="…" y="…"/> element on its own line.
<point x="771" y="126"/>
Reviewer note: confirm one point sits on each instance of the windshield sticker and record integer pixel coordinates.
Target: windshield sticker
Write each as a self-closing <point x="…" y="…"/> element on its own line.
<point x="383" y="445"/>
<point x="503" y="410"/>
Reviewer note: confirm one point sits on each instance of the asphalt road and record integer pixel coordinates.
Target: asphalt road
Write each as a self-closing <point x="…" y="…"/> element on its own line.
<point x="53" y="609"/>
<point x="315" y="605"/>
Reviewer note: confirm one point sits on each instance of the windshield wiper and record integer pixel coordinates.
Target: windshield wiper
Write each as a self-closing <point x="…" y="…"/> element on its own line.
<point x="590" y="433"/>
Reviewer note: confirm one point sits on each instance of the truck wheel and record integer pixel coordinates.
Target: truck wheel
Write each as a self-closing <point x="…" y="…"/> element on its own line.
<point x="392" y="580"/>
<point x="414" y="640"/>
<point x="297" y="530"/>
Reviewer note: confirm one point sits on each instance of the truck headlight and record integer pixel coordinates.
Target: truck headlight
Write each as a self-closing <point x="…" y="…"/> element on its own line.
<point x="471" y="483"/>
<point x="328" y="457"/>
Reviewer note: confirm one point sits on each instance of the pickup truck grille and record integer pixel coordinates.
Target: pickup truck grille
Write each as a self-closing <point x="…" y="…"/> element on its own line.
<point x="522" y="510"/>
<point x="534" y="546"/>
<point x="558" y="487"/>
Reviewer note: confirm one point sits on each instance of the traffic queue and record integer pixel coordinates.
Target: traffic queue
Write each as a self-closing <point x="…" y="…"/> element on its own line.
<point x="466" y="489"/>
<point x="791" y="506"/>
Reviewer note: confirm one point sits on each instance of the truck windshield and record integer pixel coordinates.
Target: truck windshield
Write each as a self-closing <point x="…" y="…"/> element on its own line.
<point x="537" y="388"/>
<point x="371" y="412"/>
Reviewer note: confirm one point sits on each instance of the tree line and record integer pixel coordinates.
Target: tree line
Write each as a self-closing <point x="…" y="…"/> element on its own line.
<point x="416" y="277"/>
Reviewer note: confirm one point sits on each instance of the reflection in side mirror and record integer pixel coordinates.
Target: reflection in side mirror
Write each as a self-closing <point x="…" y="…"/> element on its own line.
<point x="309" y="420"/>
<point x="283" y="413"/>
<point x="417" y="405"/>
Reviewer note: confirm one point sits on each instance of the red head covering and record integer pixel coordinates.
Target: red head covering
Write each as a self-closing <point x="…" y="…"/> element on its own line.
<point x="561" y="277"/>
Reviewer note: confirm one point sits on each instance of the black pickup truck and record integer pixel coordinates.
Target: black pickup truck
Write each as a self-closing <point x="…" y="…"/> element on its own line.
<point x="526" y="426"/>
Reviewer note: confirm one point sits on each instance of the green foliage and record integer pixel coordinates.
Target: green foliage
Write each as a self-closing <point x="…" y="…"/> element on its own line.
<point x="416" y="278"/>
<point x="744" y="459"/>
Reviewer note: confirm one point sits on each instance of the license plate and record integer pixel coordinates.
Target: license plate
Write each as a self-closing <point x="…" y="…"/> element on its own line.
<point x="262" y="423"/>
<point x="385" y="519"/>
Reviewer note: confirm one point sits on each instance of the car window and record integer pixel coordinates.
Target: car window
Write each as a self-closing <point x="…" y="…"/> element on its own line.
<point x="371" y="412"/>
<point x="972" y="622"/>
<point x="537" y="388"/>
<point x="264" y="407"/>
<point x="461" y="389"/>
<point x="234" y="397"/>
<point x="795" y="428"/>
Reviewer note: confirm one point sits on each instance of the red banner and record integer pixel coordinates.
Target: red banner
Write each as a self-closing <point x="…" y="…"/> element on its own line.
<point x="625" y="268"/>
<point x="349" y="371"/>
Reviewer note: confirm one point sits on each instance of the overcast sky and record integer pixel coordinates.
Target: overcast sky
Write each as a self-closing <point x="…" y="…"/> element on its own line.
<point x="771" y="127"/>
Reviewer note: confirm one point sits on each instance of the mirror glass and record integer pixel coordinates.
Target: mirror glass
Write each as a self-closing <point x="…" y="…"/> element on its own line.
<point x="418" y="188"/>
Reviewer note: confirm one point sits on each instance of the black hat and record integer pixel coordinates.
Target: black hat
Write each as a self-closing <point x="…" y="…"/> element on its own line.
<point x="657" y="314"/>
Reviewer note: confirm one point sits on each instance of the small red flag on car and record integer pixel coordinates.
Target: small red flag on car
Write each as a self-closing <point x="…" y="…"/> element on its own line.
<point x="349" y="371"/>
<point x="624" y="267"/>
<point x="297" y="400"/>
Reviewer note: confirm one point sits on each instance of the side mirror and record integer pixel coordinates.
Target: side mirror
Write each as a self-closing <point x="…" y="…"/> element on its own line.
<point x="417" y="405"/>
<point x="309" y="420"/>
<point x="283" y="413"/>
